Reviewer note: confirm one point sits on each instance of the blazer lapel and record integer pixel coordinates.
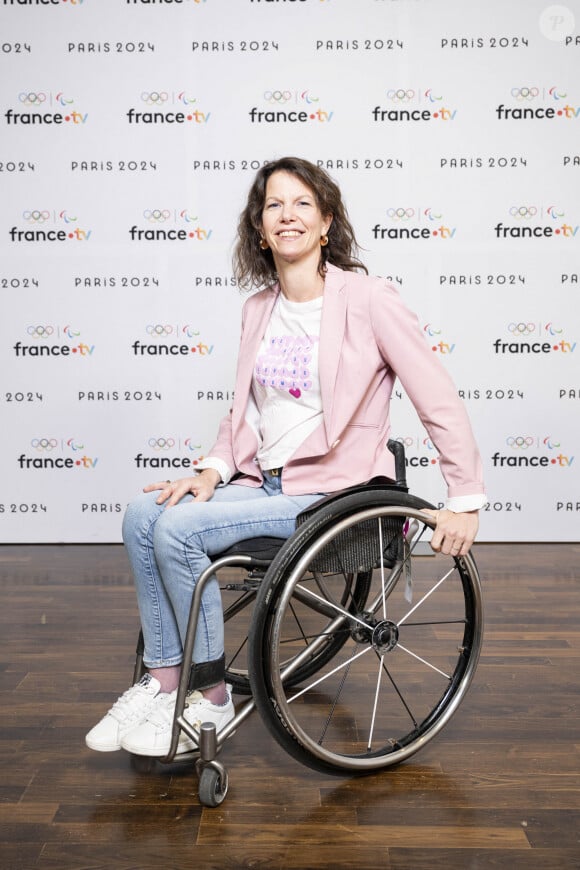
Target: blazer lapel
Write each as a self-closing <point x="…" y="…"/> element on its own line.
<point x="332" y="329"/>
<point x="253" y="335"/>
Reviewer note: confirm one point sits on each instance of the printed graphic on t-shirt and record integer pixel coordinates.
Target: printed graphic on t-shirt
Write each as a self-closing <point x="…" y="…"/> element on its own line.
<point x="286" y="366"/>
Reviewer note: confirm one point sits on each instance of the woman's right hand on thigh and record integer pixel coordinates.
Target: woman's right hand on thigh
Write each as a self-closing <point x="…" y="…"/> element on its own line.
<point x="201" y="485"/>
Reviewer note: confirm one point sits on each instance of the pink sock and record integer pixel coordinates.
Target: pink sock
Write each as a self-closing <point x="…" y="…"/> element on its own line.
<point x="168" y="677"/>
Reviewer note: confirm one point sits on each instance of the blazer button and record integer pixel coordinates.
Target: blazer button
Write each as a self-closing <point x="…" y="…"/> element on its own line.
<point x="336" y="443"/>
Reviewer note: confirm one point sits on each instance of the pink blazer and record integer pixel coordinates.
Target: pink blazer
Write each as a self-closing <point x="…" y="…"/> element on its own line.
<point x="368" y="338"/>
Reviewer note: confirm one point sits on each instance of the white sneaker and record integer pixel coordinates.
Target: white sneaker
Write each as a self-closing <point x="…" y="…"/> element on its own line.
<point x="153" y="737"/>
<point x="129" y="711"/>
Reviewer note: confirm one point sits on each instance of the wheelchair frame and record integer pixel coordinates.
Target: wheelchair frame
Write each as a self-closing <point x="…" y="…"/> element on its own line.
<point x="352" y="554"/>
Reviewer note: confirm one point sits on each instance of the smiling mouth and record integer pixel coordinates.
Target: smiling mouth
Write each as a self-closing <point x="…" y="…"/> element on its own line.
<point x="289" y="234"/>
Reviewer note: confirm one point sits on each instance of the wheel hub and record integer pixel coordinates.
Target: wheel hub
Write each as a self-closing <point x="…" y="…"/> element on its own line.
<point x="385" y="636"/>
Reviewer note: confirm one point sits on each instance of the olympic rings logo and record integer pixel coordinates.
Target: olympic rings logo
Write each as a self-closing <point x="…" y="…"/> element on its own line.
<point x="525" y="93"/>
<point x="40" y="331"/>
<point x="520" y="441"/>
<point x="155" y="98"/>
<point x="523" y="211"/>
<point x="277" y="96"/>
<point x="189" y="331"/>
<point x="522" y="328"/>
<point x="406" y="441"/>
<point x="161" y="443"/>
<point x="157" y="215"/>
<point x="32" y="99"/>
<point x="400" y="95"/>
<point x="159" y="329"/>
<point x="36" y="216"/>
<point x="44" y="443"/>
<point x="400" y="214"/>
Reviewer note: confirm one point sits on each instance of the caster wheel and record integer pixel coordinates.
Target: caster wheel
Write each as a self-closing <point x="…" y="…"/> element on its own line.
<point x="213" y="786"/>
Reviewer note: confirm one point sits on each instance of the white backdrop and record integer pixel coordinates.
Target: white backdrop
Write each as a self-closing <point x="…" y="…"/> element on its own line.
<point x="130" y="133"/>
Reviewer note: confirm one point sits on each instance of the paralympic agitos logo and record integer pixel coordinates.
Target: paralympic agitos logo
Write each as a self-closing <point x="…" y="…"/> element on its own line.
<point x="532" y="451"/>
<point x="36" y="108"/>
<point x="286" y="106"/>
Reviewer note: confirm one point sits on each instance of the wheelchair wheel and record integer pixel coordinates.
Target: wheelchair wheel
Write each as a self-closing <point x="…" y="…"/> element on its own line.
<point x="350" y="592"/>
<point x="406" y="657"/>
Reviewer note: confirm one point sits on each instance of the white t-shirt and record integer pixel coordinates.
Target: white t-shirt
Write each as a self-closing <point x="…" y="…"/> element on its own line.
<point x="286" y="385"/>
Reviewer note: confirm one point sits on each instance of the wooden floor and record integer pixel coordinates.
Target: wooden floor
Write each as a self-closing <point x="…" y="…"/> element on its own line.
<point x="499" y="788"/>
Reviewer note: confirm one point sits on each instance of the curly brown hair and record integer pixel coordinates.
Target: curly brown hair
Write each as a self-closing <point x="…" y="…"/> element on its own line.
<point x="254" y="267"/>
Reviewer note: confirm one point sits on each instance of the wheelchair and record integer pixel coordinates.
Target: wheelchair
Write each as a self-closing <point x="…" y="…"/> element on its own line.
<point x="352" y="638"/>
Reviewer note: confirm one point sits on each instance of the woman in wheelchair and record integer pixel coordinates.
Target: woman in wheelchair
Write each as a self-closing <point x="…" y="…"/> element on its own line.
<point x="321" y="346"/>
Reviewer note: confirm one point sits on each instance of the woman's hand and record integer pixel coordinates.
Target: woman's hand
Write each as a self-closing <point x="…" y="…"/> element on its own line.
<point x="201" y="485"/>
<point x="454" y="533"/>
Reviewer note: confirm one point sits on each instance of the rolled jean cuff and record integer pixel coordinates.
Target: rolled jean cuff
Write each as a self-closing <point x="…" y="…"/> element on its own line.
<point x="205" y="675"/>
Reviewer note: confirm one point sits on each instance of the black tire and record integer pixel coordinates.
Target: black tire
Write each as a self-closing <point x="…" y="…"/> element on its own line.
<point x="213" y="786"/>
<point x="344" y="719"/>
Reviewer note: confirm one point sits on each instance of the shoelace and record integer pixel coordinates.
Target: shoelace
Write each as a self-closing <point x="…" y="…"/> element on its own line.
<point x="129" y="703"/>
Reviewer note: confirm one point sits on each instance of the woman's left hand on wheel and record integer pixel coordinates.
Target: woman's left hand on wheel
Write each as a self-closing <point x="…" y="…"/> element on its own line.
<point x="455" y="532"/>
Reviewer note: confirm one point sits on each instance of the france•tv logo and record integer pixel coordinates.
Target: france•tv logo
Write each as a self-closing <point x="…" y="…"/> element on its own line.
<point x="409" y="222"/>
<point x="184" y="109"/>
<point x="526" y="107"/>
<point x="48" y="341"/>
<point x="290" y="107"/>
<point x="170" y="225"/>
<point x="438" y="345"/>
<point x="45" y="108"/>
<point x="57" y="454"/>
<point x="41" y="227"/>
<point x="163" y="445"/>
<point x="408" y="104"/>
<point x="531" y="451"/>
<point x="529" y="221"/>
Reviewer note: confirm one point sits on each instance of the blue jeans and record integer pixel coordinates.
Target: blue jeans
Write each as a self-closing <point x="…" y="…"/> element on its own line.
<point x="168" y="549"/>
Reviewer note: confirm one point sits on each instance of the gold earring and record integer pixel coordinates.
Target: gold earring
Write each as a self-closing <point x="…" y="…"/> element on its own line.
<point x="264" y="244"/>
<point x="323" y="241"/>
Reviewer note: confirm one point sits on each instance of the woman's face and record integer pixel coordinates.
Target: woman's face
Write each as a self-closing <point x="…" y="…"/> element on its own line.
<point x="292" y="223"/>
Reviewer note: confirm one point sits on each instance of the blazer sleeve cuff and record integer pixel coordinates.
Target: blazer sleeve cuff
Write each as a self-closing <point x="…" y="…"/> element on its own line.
<point x="461" y="503"/>
<point x="218" y="465"/>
